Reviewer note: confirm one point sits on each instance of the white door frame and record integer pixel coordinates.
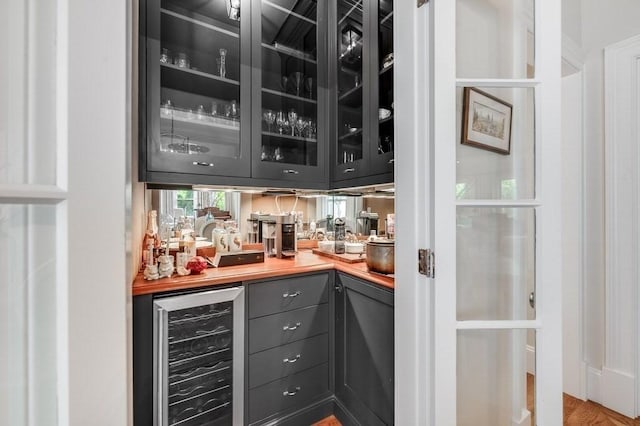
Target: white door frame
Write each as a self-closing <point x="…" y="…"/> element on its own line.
<point x="573" y="354"/>
<point x="620" y="386"/>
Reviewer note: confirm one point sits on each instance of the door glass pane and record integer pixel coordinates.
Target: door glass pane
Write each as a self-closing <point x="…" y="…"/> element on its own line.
<point x="200" y="80"/>
<point x="495" y="263"/>
<point x="494" y="387"/>
<point x="385" y="72"/>
<point x="496" y="149"/>
<point x="289" y="82"/>
<point x="28" y="315"/>
<point x="349" y="74"/>
<point x="28" y="92"/>
<point x="494" y="38"/>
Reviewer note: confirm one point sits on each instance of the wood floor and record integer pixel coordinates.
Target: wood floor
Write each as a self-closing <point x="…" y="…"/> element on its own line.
<point x="576" y="412"/>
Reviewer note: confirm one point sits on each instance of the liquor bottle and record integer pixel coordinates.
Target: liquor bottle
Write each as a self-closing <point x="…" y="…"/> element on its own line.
<point x="151" y="238"/>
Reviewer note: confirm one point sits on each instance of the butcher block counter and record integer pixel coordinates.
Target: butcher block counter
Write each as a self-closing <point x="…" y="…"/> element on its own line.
<point x="305" y="261"/>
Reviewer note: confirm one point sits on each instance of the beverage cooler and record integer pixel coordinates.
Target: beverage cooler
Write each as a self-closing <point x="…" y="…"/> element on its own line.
<point x="198" y="358"/>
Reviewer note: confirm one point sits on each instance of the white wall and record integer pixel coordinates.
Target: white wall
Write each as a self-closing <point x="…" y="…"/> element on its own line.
<point x="600" y="26"/>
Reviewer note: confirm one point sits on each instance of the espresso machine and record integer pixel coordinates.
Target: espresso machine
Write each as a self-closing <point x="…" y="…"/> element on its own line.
<point x="254" y="232"/>
<point x="366" y="222"/>
<point x="286" y="239"/>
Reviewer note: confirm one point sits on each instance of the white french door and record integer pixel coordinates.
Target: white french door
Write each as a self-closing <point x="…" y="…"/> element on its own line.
<point x="493" y="216"/>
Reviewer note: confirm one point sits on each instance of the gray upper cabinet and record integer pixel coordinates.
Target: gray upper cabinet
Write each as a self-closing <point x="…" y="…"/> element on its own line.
<point x="289" y="96"/>
<point x="362" y="57"/>
<point x="290" y="92"/>
<point x="194" y="92"/>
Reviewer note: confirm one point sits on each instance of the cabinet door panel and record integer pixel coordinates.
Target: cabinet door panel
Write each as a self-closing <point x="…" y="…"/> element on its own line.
<point x="364" y="350"/>
<point x="197" y="89"/>
<point x="289" y="129"/>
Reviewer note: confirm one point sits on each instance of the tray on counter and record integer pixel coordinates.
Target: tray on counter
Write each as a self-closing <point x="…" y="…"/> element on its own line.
<point x="344" y="257"/>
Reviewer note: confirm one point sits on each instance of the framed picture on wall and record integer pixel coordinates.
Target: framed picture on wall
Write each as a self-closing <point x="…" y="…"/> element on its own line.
<point x="486" y="121"/>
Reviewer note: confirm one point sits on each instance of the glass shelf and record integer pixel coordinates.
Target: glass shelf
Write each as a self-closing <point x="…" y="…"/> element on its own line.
<point x="289" y="137"/>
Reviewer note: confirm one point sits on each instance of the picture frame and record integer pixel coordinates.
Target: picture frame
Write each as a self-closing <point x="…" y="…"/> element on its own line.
<point x="486" y="121"/>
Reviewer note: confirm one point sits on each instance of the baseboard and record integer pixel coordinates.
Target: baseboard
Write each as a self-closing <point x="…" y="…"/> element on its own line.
<point x="618" y="392"/>
<point x="525" y="419"/>
<point x="531" y="360"/>
<point x="594" y="385"/>
<point x="342" y="414"/>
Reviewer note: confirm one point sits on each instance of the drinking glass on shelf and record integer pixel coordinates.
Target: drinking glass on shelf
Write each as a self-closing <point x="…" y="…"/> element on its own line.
<point x="301" y="124"/>
<point x="223" y="69"/>
<point x="214" y="108"/>
<point x="200" y="112"/>
<point x="182" y="61"/>
<point x="235" y="110"/>
<point x="284" y="83"/>
<point x="293" y="116"/>
<point x="312" y="129"/>
<point x="297" y="78"/>
<point x="219" y="67"/>
<point x="278" y="154"/>
<point x="308" y="84"/>
<point x="281" y="120"/>
<point x="269" y="117"/>
<point x="164" y="56"/>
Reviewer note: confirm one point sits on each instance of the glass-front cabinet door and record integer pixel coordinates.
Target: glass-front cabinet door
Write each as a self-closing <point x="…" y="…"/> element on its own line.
<point x="197" y="87"/>
<point x="382" y="68"/>
<point x="289" y="93"/>
<point x="352" y="125"/>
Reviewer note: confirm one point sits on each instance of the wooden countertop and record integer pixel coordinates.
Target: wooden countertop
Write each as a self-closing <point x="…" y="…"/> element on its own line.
<point x="305" y="261"/>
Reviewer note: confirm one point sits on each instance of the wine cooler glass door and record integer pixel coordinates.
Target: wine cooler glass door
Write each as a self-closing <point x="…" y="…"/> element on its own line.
<point x="198" y="358"/>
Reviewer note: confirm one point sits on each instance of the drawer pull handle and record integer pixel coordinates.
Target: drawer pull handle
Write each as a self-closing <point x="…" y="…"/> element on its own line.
<point x="294" y="294"/>
<point x="292" y="360"/>
<point x="290" y="172"/>
<point x="391" y="161"/>
<point x="349" y="170"/>
<point x="290" y="328"/>
<point x="202" y="163"/>
<point x="290" y="393"/>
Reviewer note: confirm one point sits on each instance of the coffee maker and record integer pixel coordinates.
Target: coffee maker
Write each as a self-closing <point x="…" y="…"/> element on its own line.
<point x="286" y="238"/>
<point x="366" y="222"/>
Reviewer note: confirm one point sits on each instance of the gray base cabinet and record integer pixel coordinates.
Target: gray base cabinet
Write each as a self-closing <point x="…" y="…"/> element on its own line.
<point x="364" y="351"/>
<point x="289" y="349"/>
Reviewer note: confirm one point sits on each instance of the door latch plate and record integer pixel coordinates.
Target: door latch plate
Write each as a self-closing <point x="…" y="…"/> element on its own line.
<point x="426" y="263"/>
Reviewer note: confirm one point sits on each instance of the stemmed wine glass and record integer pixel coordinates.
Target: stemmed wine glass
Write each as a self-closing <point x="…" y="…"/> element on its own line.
<point x="284" y="83"/>
<point x="281" y="120"/>
<point x="308" y="84"/>
<point x="293" y="116"/>
<point x="297" y="78"/>
<point x="270" y="118"/>
<point x="301" y="124"/>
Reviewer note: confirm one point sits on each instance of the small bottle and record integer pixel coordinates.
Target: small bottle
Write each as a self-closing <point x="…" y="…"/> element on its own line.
<point x="339" y="235"/>
<point x="151" y="238"/>
<point x="189" y="243"/>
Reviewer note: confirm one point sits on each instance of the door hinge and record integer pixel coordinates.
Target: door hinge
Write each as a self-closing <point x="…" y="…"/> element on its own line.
<point x="426" y="263"/>
<point x="421" y="2"/>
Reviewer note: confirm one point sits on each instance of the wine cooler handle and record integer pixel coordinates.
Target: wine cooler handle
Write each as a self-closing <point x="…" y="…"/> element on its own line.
<point x="289" y="393"/>
<point x="349" y="170"/>
<point x="202" y="163"/>
<point x="290" y="328"/>
<point x="291" y="360"/>
<point x="294" y="294"/>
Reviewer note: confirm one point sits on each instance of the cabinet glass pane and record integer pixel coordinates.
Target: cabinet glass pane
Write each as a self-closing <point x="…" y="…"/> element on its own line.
<point x="494" y="388"/>
<point x="200" y="80"/>
<point x="289" y="82"/>
<point x="28" y="292"/>
<point x="496" y="144"/>
<point x="28" y="92"/>
<point x="385" y="79"/>
<point x="349" y="77"/>
<point x="495" y="38"/>
<point x="495" y="263"/>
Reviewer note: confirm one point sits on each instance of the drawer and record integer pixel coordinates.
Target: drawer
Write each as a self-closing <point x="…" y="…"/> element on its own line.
<point x="287" y="327"/>
<point x="282" y="361"/>
<point x="287" y="294"/>
<point x="292" y="391"/>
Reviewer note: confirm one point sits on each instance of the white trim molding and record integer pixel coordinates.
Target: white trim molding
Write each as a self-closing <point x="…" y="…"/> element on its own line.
<point x="622" y="138"/>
